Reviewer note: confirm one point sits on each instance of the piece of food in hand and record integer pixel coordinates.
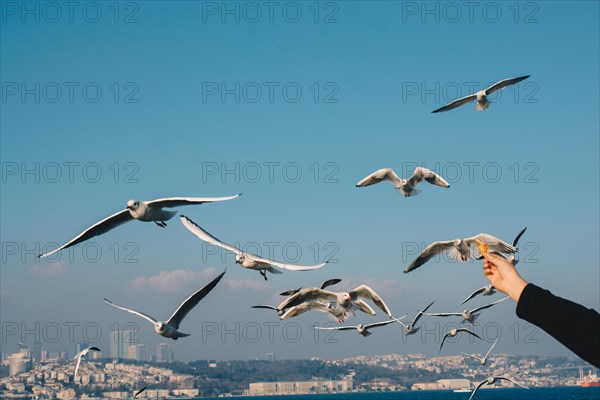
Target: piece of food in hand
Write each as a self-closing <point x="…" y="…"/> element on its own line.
<point x="483" y="247"/>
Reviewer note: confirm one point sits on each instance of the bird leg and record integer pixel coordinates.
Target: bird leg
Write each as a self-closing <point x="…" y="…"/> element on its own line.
<point x="162" y="224"/>
<point x="264" y="274"/>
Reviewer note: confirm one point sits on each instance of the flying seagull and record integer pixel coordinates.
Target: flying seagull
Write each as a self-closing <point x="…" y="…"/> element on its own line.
<point x="468" y="315"/>
<point x="139" y="392"/>
<point x="482" y="102"/>
<point x="482" y="360"/>
<point x="79" y="356"/>
<point x="511" y="258"/>
<point x="336" y="312"/>
<point x="404" y="186"/>
<point x="170" y="328"/>
<point x="360" y="328"/>
<point x="141" y="210"/>
<point x="410" y="328"/>
<point x="354" y="299"/>
<point x="460" y="249"/>
<point x="455" y="331"/>
<point x="246" y="260"/>
<point x="491" y="380"/>
<point x="325" y="284"/>
<point x="487" y="290"/>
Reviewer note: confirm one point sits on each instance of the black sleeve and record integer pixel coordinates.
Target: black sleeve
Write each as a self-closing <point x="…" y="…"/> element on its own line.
<point x="573" y="325"/>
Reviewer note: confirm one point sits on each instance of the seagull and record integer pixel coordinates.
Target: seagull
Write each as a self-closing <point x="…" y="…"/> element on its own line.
<point x="410" y="328"/>
<point x="139" y="392"/>
<point x="291" y="292"/>
<point x="511" y="258"/>
<point x="453" y="332"/>
<point x="468" y="315"/>
<point x="404" y="186"/>
<point x="460" y="249"/>
<point x="347" y="301"/>
<point x="141" y="210"/>
<point x="482" y="360"/>
<point x="336" y="312"/>
<point x="325" y="284"/>
<point x="170" y="328"/>
<point x="491" y="380"/>
<point x="79" y="356"/>
<point x="487" y="290"/>
<point x="360" y="328"/>
<point x="246" y="260"/>
<point x="482" y="102"/>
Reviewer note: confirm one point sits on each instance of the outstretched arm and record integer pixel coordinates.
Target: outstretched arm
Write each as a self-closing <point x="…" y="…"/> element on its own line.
<point x="572" y="324"/>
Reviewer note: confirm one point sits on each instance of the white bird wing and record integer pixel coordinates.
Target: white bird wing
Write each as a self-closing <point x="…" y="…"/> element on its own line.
<point x="475" y="293"/>
<point x="336" y="328"/>
<point x="77" y="367"/>
<point x="428" y="175"/>
<point x="170" y="202"/>
<point x="470" y="355"/>
<point x="382" y="323"/>
<point x="191" y="302"/>
<point x="434" y="249"/>
<point x="305" y="307"/>
<point x="380" y="176"/>
<point x="477" y="388"/>
<point x="361" y="305"/>
<point x="444" y="314"/>
<point x="504" y="83"/>
<point x="366" y="293"/>
<point x="139" y="314"/>
<point x="506" y="378"/>
<point x="97" y="229"/>
<point x="488" y="305"/>
<point x="207" y="237"/>
<point x="420" y="314"/>
<point x="308" y="295"/>
<point x="456" y="103"/>
<point x="490" y="350"/>
<point x="493" y="242"/>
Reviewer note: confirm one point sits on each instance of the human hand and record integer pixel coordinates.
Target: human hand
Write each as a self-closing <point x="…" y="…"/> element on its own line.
<point x="503" y="275"/>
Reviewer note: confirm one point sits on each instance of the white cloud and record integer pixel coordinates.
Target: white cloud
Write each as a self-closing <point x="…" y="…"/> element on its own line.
<point x="174" y="281"/>
<point x="48" y="269"/>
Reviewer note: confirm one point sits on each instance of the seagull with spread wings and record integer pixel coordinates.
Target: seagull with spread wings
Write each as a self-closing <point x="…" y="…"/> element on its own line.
<point x="460" y="249"/>
<point x="246" y="260"/>
<point x="468" y="315"/>
<point x="405" y="186"/>
<point x="491" y="380"/>
<point x="142" y="211"/>
<point x="482" y="96"/>
<point x="346" y="301"/>
<point x="410" y="328"/>
<point x="336" y="312"/>
<point x="170" y="328"/>
<point x="482" y="360"/>
<point x="360" y="328"/>
<point x="455" y="331"/>
<point x="79" y="356"/>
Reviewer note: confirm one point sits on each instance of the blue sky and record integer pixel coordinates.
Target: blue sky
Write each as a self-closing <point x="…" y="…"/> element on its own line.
<point x="135" y="109"/>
